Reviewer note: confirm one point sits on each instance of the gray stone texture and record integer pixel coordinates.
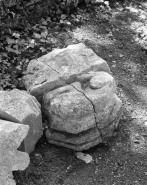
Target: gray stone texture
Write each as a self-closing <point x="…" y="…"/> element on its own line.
<point x="82" y="117"/>
<point x="20" y="107"/>
<point x="68" y="110"/>
<point x="61" y="66"/>
<point x="11" y="136"/>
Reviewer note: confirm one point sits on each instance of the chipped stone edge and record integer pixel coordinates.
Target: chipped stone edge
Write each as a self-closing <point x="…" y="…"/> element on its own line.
<point x="15" y="133"/>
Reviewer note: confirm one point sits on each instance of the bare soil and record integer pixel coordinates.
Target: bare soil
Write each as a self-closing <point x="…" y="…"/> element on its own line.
<point x="119" y="36"/>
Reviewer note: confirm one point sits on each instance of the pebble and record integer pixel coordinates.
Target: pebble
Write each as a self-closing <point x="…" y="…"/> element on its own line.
<point x="63" y="16"/>
<point x="84" y="157"/>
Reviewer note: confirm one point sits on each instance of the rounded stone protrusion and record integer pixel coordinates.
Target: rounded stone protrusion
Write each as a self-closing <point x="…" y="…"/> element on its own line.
<point x="100" y="80"/>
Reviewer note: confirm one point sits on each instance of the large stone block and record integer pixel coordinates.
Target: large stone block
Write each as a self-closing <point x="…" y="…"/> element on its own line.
<point x="77" y="94"/>
<point x="11" y="136"/>
<point x="81" y="116"/>
<point x="20" y="107"/>
<point x="61" y="66"/>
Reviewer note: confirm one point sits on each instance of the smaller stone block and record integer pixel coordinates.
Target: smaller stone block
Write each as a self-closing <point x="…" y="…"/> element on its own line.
<point x="61" y="66"/>
<point x="11" y="136"/>
<point x="20" y="107"/>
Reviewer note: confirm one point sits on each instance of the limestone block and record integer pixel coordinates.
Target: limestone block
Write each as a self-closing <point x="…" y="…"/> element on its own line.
<point x="11" y="136"/>
<point x="77" y="142"/>
<point x="61" y="66"/>
<point x="68" y="110"/>
<point x="20" y="107"/>
<point x="82" y="115"/>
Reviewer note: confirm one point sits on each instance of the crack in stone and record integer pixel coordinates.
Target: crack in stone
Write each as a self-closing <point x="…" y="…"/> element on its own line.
<point x="92" y="106"/>
<point x="53" y="69"/>
<point x="94" y="111"/>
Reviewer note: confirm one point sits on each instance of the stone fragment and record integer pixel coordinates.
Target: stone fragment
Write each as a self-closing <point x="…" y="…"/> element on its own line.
<point x="84" y="157"/>
<point x="20" y="107"/>
<point x="61" y="66"/>
<point x="11" y="136"/>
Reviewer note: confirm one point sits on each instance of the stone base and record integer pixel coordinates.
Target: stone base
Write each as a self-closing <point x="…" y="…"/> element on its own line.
<point x="77" y="142"/>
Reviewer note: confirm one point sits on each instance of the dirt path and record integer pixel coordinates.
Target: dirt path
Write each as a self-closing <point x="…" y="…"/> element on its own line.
<point x="120" y="37"/>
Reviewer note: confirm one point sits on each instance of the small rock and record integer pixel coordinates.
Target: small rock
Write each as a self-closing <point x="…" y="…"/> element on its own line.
<point x="37" y="155"/>
<point x="63" y="16"/>
<point x="84" y="157"/>
<point x="106" y="3"/>
<point x="101" y="80"/>
<point x="44" y="23"/>
<point x="77" y="20"/>
<point x="68" y="23"/>
<point x="121" y="55"/>
<point x="20" y="107"/>
<point x="113" y="149"/>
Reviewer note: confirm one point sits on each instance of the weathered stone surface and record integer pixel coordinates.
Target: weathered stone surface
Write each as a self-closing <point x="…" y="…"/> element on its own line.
<point x="20" y="107"/>
<point x="75" y="139"/>
<point x="84" y="146"/>
<point x="68" y="110"/>
<point x="61" y="66"/>
<point x="78" y="97"/>
<point x="100" y="80"/>
<point x="109" y="129"/>
<point x="11" y="136"/>
<point x="82" y="115"/>
<point x="103" y="99"/>
<point x="77" y="142"/>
